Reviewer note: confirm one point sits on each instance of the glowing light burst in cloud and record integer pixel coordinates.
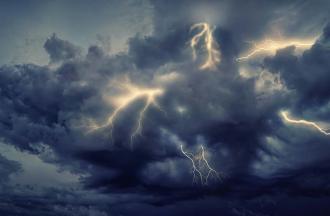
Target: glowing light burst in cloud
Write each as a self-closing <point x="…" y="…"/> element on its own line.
<point x="201" y="168"/>
<point x="210" y="45"/>
<point x="269" y="46"/>
<point x="285" y="116"/>
<point x="122" y="101"/>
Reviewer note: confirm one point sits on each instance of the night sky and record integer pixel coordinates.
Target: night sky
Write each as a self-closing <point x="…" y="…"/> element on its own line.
<point x="164" y="107"/>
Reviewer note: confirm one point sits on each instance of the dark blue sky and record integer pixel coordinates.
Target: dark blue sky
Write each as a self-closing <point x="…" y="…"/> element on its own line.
<point x="64" y="69"/>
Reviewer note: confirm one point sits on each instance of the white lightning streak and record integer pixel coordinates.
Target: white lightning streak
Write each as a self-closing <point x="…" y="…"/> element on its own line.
<point x="202" y="169"/>
<point x="211" y="46"/>
<point x="270" y="46"/>
<point x="133" y="93"/>
<point x="303" y="122"/>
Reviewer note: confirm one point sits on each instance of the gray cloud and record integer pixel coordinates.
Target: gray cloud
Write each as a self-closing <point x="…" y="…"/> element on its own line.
<point x="60" y="50"/>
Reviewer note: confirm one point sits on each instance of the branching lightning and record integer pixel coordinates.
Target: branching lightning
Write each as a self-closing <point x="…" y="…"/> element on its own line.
<point x="211" y="46"/>
<point x="270" y="46"/>
<point x="303" y="122"/>
<point x="201" y="168"/>
<point x="133" y="93"/>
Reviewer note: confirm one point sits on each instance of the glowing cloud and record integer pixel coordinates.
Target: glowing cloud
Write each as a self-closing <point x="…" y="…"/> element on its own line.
<point x="303" y="122"/>
<point x="210" y="45"/>
<point x="133" y="93"/>
<point x="270" y="46"/>
<point x="201" y="168"/>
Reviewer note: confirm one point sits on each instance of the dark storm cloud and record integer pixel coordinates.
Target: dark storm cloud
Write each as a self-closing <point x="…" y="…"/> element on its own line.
<point x="223" y="112"/>
<point x="63" y="202"/>
<point x="308" y="75"/>
<point x="33" y="101"/>
<point x="42" y="105"/>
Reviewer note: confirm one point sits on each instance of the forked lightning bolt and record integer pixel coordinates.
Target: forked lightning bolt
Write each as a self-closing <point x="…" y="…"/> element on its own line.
<point x="211" y="46"/>
<point x="303" y="122"/>
<point x="201" y="168"/>
<point x="133" y="93"/>
<point x="270" y="46"/>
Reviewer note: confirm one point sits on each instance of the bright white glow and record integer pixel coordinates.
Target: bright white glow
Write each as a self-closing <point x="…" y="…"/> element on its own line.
<point x="211" y="46"/>
<point x="132" y="94"/>
<point x="303" y="122"/>
<point x="181" y="109"/>
<point x="269" y="46"/>
<point x="167" y="78"/>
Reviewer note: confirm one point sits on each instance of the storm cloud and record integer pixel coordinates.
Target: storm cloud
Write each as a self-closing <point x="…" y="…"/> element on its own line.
<point x="233" y="111"/>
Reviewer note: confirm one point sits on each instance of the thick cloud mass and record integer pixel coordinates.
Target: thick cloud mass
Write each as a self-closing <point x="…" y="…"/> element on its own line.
<point x="308" y="75"/>
<point x="234" y="116"/>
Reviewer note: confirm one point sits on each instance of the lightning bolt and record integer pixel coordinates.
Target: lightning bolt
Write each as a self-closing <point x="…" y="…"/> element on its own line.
<point x="201" y="168"/>
<point x="270" y="46"/>
<point x="303" y="122"/>
<point x="211" y="46"/>
<point x="121" y="102"/>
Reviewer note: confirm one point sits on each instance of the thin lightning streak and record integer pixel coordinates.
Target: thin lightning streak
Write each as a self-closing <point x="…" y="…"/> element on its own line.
<point x="133" y="93"/>
<point x="138" y="128"/>
<point x="211" y="46"/>
<point x="194" y="168"/>
<point x="210" y="169"/>
<point x="303" y="122"/>
<point x="202" y="170"/>
<point x="270" y="46"/>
